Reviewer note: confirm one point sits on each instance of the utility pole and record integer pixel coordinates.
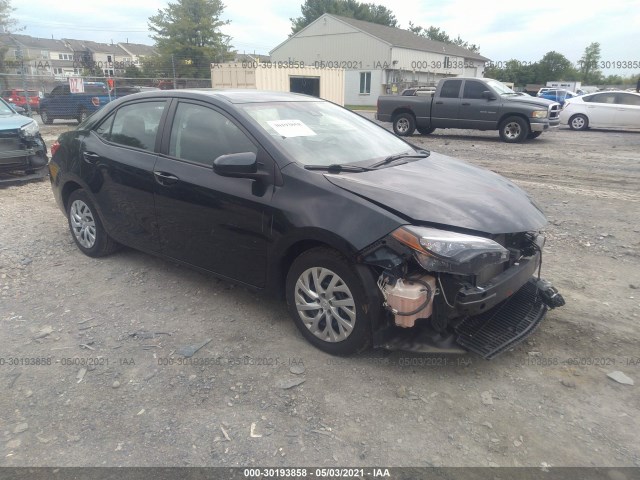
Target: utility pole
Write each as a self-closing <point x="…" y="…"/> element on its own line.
<point x="173" y="65"/>
<point x="24" y="80"/>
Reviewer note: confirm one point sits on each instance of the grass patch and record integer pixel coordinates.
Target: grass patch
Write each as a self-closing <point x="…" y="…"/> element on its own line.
<point x="370" y="108"/>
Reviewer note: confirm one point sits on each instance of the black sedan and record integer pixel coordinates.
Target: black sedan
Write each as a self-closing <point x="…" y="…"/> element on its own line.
<point x="21" y="146"/>
<point x="371" y="240"/>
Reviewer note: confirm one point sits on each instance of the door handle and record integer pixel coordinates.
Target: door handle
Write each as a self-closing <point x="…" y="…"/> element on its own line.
<point x="90" y="157"/>
<point x="164" y="178"/>
<point x="465" y="104"/>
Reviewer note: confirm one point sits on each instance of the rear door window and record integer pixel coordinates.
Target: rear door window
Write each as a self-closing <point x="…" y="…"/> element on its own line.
<point x="451" y="89"/>
<point x="134" y="125"/>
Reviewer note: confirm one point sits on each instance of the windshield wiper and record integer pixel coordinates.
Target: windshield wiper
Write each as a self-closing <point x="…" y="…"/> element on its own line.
<point x="337" y="168"/>
<point x="393" y="158"/>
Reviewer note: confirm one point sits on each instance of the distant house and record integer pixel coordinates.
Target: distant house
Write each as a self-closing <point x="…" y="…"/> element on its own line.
<point x="38" y="56"/>
<point x="138" y="52"/>
<point x="103" y="58"/>
<point x="377" y="59"/>
<point x="250" y="58"/>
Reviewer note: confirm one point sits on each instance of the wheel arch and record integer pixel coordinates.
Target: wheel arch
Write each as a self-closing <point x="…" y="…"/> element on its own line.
<point x="288" y="250"/>
<point x="68" y="188"/>
<point x="400" y="111"/>
<point x="513" y="114"/>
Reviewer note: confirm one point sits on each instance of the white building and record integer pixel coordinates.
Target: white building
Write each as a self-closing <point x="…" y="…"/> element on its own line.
<point x="378" y="60"/>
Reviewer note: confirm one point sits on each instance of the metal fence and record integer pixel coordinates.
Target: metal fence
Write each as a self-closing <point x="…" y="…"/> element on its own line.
<point x="13" y="86"/>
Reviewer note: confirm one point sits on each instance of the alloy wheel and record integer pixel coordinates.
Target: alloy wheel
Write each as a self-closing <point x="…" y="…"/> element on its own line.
<point x="325" y="304"/>
<point x="83" y="224"/>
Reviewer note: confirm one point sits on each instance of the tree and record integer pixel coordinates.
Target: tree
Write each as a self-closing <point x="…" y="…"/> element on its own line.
<point x="555" y="66"/>
<point x="369" y="12"/>
<point x="6" y="21"/>
<point x="189" y="32"/>
<point x="439" y="35"/>
<point x="589" y="72"/>
<point x="6" y="24"/>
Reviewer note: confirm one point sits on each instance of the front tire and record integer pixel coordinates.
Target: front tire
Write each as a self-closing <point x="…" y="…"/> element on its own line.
<point x="514" y="130"/>
<point x="86" y="227"/>
<point x="333" y="302"/>
<point x="425" y="130"/>
<point x="404" y="125"/>
<point x="579" y="122"/>
<point x="46" y="119"/>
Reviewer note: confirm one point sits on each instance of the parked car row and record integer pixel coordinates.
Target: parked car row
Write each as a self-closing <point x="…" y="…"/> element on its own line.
<point x="18" y="97"/>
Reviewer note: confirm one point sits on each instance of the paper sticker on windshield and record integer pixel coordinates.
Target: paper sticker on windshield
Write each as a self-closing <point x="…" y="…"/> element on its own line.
<point x="291" y="128"/>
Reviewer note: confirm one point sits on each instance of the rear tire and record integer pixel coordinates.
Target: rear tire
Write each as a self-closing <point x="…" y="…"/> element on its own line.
<point x="333" y="302"/>
<point x="425" y="130"/>
<point x="82" y="116"/>
<point x="86" y="227"/>
<point x="46" y="119"/>
<point x="514" y="130"/>
<point x="579" y="122"/>
<point x="404" y="125"/>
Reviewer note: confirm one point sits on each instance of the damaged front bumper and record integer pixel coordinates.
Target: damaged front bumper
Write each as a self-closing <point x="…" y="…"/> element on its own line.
<point x="485" y="312"/>
<point x="487" y="334"/>
<point x="21" y="152"/>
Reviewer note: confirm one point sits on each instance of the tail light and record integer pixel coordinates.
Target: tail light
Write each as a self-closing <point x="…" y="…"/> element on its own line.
<point x="54" y="148"/>
<point x="95" y="101"/>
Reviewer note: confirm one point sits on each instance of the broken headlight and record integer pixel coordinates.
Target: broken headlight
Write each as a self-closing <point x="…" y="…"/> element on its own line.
<point x="441" y="251"/>
<point x="30" y="129"/>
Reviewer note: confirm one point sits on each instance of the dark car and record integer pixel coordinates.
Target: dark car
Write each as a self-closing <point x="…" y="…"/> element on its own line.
<point x="371" y="240"/>
<point x="21" y="146"/>
<point x="131" y="89"/>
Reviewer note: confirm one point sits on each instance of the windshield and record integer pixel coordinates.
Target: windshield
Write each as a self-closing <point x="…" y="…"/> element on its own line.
<point x="320" y="133"/>
<point x="500" y="87"/>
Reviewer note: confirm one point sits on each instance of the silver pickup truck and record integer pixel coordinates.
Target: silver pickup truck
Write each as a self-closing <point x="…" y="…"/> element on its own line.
<point x="471" y="103"/>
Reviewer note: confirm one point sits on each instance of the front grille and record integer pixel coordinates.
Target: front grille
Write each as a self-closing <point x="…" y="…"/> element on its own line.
<point x="505" y="325"/>
<point x="554" y="111"/>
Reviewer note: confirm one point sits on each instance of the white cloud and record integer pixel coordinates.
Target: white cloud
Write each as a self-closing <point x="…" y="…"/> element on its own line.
<point x="523" y="32"/>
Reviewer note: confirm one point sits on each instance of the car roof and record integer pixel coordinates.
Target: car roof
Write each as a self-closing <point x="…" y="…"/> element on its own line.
<point x="233" y="96"/>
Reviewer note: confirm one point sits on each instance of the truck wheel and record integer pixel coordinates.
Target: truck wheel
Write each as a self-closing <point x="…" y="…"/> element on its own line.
<point x="533" y="135"/>
<point x="514" y="130"/>
<point x="46" y="119"/>
<point x="578" y="122"/>
<point x="425" y="130"/>
<point x="82" y="116"/>
<point x="404" y="124"/>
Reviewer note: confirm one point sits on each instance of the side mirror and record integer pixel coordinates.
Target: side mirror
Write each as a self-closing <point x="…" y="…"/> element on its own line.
<point x="488" y="95"/>
<point x="238" y="165"/>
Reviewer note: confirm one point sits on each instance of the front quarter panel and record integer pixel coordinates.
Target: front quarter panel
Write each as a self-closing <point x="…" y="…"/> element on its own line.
<point x="328" y="215"/>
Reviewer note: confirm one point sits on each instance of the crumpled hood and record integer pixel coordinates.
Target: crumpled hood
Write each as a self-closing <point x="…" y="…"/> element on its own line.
<point x="443" y="190"/>
<point x="13" y="121"/>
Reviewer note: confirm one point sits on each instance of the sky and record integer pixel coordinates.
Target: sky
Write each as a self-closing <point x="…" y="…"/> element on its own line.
<point x="522" y="31"/>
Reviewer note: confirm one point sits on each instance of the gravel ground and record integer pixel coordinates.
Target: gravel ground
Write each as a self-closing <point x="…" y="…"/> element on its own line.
<point x="91" y="370"/>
